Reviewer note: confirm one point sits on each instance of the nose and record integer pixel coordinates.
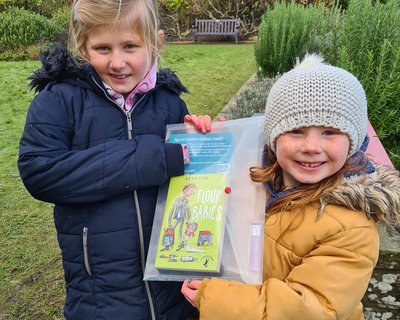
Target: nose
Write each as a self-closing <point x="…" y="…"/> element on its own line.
<point x="117" y="60"/>
<point x="311" y="144"/>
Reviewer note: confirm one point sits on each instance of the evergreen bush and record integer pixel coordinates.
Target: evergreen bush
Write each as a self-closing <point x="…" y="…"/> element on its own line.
<point x="60" y="20"/>
<point x="252" y="99"/>
<point x="289" y="30"/>
<point x="20" y="28"/>
<point x="370" y="49"/>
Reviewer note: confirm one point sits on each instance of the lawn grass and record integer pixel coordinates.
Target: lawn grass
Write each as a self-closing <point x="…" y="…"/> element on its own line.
<point x="212" y="73"/>
<point x="31" y="277"/>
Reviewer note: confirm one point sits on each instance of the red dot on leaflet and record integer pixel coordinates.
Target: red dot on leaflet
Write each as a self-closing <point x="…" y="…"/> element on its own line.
<point x="228" y="190"/>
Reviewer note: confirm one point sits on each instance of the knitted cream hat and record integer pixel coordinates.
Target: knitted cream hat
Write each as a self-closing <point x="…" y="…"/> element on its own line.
<point x="317" y="94"/>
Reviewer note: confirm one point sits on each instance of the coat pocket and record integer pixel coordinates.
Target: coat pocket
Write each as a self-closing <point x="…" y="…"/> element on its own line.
<point x="85" y="250"/>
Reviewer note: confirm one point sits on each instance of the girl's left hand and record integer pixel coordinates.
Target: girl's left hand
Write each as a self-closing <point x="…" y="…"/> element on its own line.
<point x="189" y="290"/>
<point x="202" y="123"/>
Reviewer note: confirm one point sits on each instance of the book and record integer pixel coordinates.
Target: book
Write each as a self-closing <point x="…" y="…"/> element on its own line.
<point x="193" y="223"/>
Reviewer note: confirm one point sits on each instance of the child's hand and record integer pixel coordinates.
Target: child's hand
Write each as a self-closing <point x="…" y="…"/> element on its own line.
<point x="202" y="123"/>
<point x="189" y="290"/>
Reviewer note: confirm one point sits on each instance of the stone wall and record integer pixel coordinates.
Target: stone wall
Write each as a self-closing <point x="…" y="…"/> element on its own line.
<point x="382" y="300"/>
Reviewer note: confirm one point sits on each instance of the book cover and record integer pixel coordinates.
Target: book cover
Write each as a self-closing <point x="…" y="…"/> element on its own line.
<point x="194" y="216"/>
<point x="193" y="223"/>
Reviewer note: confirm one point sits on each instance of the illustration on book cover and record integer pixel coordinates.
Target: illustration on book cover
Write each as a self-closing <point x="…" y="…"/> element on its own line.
<point x="193" y="223"/>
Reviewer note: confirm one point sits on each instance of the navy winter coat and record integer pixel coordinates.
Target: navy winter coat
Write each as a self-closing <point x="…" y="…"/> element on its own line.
<point x="78" y="152"/>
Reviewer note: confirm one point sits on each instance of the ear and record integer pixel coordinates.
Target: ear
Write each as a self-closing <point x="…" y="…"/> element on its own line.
<point x="160" y="43"/>
<point x="161" y="35"/>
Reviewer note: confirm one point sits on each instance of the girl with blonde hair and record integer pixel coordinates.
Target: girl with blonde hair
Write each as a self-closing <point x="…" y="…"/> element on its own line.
<point x="94" y="145"/>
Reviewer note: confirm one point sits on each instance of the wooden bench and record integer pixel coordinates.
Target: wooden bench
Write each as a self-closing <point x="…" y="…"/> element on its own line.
<point x="214" y="27"/>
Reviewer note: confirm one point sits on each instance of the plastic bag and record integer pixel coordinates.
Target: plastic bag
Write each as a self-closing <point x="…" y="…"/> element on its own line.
<point x="209" y="222"/>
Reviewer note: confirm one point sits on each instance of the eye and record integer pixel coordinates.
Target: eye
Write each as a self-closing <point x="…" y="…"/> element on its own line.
<point x="102" y="49"/>
<point x="331" y="132"/>
<point x="131" y="46"/>
<point x="296" y="132"/>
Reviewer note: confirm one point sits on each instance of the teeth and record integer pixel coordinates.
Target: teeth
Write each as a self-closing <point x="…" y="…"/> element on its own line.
<point x="311" y="164"/>
<point x="119" y="76"/>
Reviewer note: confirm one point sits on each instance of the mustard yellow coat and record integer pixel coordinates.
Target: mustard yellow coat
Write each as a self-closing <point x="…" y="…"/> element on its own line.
<point x="319" y="270"/>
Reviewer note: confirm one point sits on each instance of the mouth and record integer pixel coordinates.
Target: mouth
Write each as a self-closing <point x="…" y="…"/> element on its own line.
<point x="119" y="76"/>
<point x="311" y="164"/>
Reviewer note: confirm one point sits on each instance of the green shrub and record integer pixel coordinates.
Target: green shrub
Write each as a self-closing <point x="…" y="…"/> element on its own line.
<point x="19" y="28"/>
<point x="289" y="30"/>
<point x="43" y="7"/>
<point x="13" y="55"/>
<point x="370" y="49"/>
<point x="252" y="99"/>
<point x="60" y="20"/>
<point x="29" y="53"/>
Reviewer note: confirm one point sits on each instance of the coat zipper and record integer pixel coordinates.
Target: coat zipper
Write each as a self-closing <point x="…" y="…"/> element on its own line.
<point x="136" y="201"/>
<point x="127" y="114"/>
<point x="130" y="128"/>
<point x="85" y="251"/>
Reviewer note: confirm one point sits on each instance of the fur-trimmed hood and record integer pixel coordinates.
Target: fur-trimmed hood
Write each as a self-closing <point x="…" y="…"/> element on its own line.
<point x="376" y="194"/>
<point x="58" y="65"/>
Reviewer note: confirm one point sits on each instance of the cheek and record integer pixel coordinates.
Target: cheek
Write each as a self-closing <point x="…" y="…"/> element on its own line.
<point x="340" y="150"/>
<point x="284" y="151"/>
<point x="91" y="58"/>
<point x="284" y="146"/>
<point x="97" y="63"/>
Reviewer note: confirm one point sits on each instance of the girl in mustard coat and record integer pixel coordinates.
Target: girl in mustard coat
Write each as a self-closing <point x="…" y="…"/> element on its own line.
<point x="321" y="242"/>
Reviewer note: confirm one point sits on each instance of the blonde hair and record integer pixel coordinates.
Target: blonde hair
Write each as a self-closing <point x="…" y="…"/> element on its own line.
<point x="140" y="16"/>
<point x="306" y="193"/>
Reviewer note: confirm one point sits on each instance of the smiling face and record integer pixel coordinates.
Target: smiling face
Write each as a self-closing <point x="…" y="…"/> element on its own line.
<point x="119" y="56"/>
<point x="311" y="154"/>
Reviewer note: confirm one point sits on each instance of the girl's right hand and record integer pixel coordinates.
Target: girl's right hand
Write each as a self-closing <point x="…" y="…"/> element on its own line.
<point x="189" y="290"/>
<point x="202" y="123"/>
